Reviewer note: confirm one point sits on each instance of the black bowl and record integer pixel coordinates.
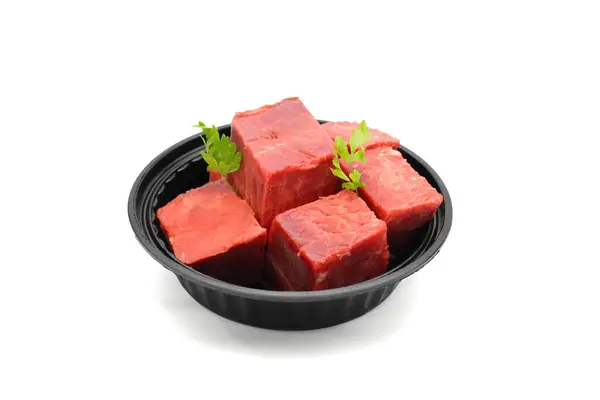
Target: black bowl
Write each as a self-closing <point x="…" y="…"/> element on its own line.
<point x="181" y="168"/>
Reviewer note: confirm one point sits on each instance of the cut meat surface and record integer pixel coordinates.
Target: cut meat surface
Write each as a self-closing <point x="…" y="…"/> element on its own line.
<point x="344" y="129"/>
<point x="214" y="231"/>
<point x="332" y="242"/>
<point x="395" y="191"/>
<point x="286" y="155"/>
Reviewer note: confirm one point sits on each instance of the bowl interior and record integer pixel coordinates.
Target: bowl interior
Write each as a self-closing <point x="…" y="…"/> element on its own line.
<point x="189" y="171"/>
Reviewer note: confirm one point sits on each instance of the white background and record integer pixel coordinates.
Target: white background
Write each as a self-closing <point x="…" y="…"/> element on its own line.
<point x="502" y="98"/>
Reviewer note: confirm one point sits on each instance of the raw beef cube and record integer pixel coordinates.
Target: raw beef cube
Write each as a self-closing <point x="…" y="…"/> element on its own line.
<point x="286" y="155"/>
<point x="395" y="191"/>
<point x="332" y="242"/>
<point x="344" y="129"/>
<point x="214" y="231"/>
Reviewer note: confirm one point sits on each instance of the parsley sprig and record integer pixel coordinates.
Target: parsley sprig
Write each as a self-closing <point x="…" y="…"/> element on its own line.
<point x="359" y="137"/>
<point x="221" y="155"/>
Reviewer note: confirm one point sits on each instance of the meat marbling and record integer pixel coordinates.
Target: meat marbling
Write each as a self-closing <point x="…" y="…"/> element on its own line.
<point x="332" y="242"/>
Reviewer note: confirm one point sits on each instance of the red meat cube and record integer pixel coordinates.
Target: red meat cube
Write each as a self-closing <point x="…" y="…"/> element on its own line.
<point x="332" y="242"/>
<point x="395" y="191"/>
<point x="214" y="231"/>
<point x="344" y="129"/>
<point x="286" y="155"/>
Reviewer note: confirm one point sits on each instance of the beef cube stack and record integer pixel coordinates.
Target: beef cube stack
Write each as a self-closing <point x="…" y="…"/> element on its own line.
<point x="317" y="239"/>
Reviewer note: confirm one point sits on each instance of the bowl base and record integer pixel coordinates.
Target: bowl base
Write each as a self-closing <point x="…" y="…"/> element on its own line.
<point x="286" y="316"/>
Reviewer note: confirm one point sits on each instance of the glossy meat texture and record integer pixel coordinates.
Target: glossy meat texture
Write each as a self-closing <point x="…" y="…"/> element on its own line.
<point x="332" y="242"/>
<point x="395" y="191"/>
<point x="344" y="129"/>
<point x="286" y="156"/>
<point x="215" y="232"/>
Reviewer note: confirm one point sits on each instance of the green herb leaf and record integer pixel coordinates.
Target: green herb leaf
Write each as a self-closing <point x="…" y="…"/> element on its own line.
<point x="359" y="137"/>
<point x="213" y="164"/>
<point x="359" y="156"/>
<point x="352" y="186"/>
<point x="336" y="162"/>
<point x="355" y="176"/>
<point x="211" y="133"/>
<point x="354" y="182"/>
<point x="340" y="148"/>
<point x="221" y="155"/>
<point x="340" y="174"/>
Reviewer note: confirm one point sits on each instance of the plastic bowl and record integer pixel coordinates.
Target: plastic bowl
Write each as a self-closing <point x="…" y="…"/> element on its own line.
<point x="181" y="168"/>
